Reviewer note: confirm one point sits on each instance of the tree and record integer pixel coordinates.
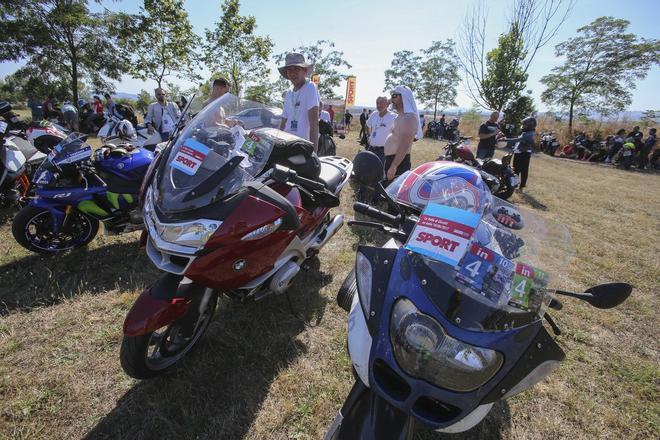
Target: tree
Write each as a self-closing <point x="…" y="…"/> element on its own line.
<point x="161" y="42"/>
<point x="504" y="79"/>
<point x="404" y="70"/>
<point x="649" y="117"/>
<point x="601" y="66"/>
<point x="143" y="100"/>
<point x="518" y="109"/>
<point x="439" y="76"/>
<point x="532" y="24"/>
<point x="233" y="47"/>
<point x="326" y="61"/>
<point x="62" y="39"/>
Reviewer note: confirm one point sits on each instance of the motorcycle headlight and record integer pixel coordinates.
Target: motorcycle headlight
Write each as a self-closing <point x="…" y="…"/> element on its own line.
<point x="423" y="350"/>
<point x="193" y="234"/>
<point x="363" y="276"/>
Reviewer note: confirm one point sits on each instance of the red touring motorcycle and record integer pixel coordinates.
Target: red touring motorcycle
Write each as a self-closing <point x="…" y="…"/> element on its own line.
<point x="226" y="212"/>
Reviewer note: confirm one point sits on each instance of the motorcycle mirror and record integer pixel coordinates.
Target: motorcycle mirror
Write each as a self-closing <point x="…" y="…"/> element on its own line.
<point x="610" y="295"/>
<point x="368" y="168"/>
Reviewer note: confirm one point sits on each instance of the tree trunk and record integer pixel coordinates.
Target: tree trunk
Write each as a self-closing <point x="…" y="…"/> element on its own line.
<point x="435" y="107"/>
<point x="74" y="79"/>
<point x="570" y="120"/>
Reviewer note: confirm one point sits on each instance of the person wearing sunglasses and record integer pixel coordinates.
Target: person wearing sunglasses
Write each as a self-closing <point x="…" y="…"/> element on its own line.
<point x="162" y="115"/>
<point x="405" y="129"/>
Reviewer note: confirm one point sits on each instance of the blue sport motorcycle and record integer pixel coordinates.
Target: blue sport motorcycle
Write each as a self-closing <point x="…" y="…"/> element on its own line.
<point x="446" y="318"/>
<point x="75" y="192"/>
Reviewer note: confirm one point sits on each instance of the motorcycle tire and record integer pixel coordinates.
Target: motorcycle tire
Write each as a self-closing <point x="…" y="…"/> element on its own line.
<point x="150" y="355"/>
<point x="347" y="291"/>
<point x="506" y="190"/>
<point x="32" y="229"/>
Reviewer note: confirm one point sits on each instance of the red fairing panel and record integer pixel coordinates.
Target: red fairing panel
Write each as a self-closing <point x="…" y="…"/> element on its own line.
<point x="216" y="270"/>
<point x="148" y="314"/>
<point x="465" y="153"/>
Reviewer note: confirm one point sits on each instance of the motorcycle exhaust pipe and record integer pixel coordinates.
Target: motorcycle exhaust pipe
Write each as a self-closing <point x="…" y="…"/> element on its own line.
<point x="335" y="225"/>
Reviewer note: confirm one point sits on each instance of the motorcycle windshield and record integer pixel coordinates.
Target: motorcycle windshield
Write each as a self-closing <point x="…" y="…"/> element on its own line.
<point x="214" y="155"/>
<point x="486" y="265"/>
<point x="71" y="149"/>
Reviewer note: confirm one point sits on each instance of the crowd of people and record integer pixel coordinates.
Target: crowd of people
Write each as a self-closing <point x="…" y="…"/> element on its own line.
<point x="627" y="148"/>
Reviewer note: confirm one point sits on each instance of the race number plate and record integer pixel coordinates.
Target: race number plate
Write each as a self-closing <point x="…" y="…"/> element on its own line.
<point x="190" y="156"/>
<point x="527" y="287"/>
<point x="443" y="233"/>
<point x="486" y="272"/>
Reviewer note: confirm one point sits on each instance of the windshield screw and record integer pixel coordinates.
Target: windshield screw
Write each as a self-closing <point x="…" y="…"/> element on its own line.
<point x="423" y="282"/>
<point x="386" y="262"/>
<point x="503" y="391"/>
<point x="458" y="320"/>
<point x="539" y="345"/>
<point x="372" y="313"/>
<point x="410" y="253"/>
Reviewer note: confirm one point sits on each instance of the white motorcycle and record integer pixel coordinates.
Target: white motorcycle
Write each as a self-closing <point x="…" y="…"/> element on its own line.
<point x="115" y="126"/>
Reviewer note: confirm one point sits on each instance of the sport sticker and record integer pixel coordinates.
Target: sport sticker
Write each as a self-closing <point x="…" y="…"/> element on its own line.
<point x="528" y="287"/>
<point x="190" y="156"/>
<point x="486" y="272"/>
<point x="443" y="233"/>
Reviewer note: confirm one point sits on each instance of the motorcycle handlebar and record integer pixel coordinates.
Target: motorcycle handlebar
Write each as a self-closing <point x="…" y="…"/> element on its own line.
<point x="365" y="209"/>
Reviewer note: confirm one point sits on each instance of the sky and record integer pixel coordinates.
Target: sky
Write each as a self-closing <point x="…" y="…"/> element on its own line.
<point x="369" y="32"/>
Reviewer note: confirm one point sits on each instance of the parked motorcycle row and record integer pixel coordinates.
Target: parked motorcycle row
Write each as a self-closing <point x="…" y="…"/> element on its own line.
<point x="445" y="319"/>
<point x="441" y="130"/>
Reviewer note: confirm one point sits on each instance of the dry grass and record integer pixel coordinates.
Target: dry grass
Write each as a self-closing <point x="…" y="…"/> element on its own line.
<point x="273" y="371"/>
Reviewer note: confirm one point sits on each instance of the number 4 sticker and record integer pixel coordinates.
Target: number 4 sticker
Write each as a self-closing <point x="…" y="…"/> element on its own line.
<point x="473" y="268"/>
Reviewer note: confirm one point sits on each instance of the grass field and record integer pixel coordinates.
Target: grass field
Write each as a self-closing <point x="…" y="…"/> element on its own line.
<point x="279" y="370"/>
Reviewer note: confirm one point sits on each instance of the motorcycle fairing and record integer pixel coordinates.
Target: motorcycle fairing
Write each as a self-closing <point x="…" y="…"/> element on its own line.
<point x="367" y="416"/>
<point x="415" y="396"/>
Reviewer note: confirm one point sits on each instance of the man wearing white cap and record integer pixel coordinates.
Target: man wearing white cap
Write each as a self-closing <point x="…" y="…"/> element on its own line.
<point x="301" y="104"/>
<point x="405" y="129"/>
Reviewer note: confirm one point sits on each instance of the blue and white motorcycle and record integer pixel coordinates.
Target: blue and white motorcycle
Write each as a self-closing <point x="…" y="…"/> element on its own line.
<point x="75" y="192"/>
<point x="446" y="318"/>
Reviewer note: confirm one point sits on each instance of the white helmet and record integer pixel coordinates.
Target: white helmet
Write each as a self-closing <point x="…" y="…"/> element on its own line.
<point x="125" y="130"/>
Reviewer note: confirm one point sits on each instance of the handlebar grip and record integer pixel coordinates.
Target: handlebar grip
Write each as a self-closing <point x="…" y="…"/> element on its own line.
<point x="310" y="184"/>
<point x="365" y="209"/>
<point x="555" y="304"/>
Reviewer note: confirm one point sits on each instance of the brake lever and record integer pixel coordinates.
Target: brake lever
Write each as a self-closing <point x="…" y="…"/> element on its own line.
<point x="555" y="328"/>
<point x="396" y="233"/>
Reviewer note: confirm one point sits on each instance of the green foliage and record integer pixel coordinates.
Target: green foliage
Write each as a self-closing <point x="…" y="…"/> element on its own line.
<point x="519" y="108"/>
<point x="62" y="39"/>
<point x="161" y="42"/>
<point x="143" y="100"/>
<point x="601" y="66"/>
<point x="259" y="93"/>
<point x="505" y="79"/>
<point x="326" y="61"/>
<point x="233" y="47"/>
<point x="404" y="70"/>
<point x="439" y="76"/>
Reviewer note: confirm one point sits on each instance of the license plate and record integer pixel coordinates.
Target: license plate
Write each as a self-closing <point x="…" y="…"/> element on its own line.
<point x="515" y="180"/>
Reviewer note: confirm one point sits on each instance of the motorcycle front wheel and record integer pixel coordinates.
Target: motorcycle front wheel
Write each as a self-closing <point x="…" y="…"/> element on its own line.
<point x="147" y="356"/>
<point x="33" y="229"/>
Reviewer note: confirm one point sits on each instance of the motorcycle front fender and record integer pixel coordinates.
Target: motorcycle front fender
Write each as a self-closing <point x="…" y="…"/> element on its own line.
<point x="367" y="416"/>
<point x="157" y="306"/>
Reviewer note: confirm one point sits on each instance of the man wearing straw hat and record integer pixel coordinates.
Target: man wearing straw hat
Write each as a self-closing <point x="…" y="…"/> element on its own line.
<point x="301" y="104"/>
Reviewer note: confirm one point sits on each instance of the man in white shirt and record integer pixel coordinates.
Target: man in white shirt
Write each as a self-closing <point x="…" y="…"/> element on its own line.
<point x="162" y="115"/>
<point x="324" y="115"/>
<point x="300" y="116"/>
<point x="405" y="129"/>
<point x="379" y="127"/>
